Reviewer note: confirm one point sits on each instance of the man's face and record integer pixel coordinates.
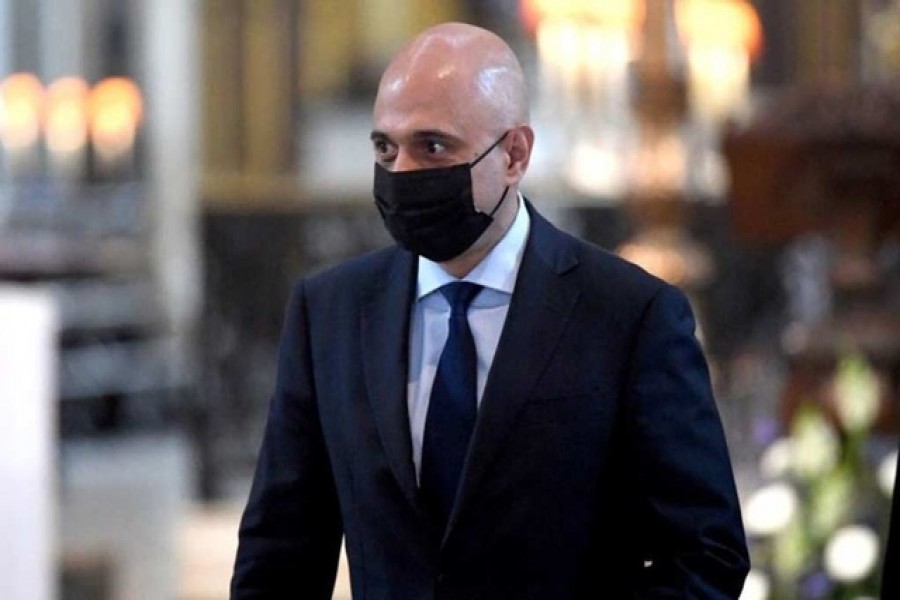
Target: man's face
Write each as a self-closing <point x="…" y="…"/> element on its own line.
<point x="428" y="121"/>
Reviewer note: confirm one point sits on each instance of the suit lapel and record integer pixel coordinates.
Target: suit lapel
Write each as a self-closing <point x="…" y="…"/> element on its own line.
<point x="385" y="341"/>
<point x="541" y="304"/>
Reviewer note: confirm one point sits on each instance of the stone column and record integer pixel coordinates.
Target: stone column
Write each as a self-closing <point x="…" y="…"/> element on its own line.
<point x="28" y="449"/>
<point x="6" y="46"/>
<point x="62" y="39"/>
<point x="170" y="77"/>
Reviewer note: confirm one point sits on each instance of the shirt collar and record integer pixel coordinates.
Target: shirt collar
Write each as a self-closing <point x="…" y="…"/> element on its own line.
<point x="497" y="270"/>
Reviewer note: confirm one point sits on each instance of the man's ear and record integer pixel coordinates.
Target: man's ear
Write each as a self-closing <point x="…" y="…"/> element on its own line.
<point x="518" y="148"/>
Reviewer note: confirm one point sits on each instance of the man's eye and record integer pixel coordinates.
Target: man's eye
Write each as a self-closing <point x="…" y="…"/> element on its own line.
<point x="434" y="147"/>
<point x="384" y="151"/>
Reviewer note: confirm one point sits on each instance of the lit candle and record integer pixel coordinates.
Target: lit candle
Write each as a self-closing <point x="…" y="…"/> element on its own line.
<point x="21" y="113"/>
<point x="66" y="128"/>
<point x="721" y="39"/>
<point x="115" y="113"/>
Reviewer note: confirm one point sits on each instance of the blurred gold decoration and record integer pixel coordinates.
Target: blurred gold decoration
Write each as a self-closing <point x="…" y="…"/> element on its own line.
<point x="689" y="77"/>
<point x="622" y="14"/>
<point x="658" y="166"/>
<point x="624" y="80"/>
<point x="633" y="86"/>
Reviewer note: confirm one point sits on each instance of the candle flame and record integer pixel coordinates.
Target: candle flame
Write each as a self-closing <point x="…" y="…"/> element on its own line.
<point x="21" y="110"/>
<point x="67" y="123"/>
<point x="116" y="111"/>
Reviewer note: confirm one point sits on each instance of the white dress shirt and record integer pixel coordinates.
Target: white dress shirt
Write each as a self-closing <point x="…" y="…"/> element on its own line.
<point x="496" y="273"/>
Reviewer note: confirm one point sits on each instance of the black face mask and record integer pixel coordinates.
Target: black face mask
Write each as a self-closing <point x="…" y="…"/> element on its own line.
<point x="431" y="212"/>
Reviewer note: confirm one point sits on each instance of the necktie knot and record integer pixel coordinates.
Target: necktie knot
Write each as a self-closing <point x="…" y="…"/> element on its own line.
<point x="460" y="294"/>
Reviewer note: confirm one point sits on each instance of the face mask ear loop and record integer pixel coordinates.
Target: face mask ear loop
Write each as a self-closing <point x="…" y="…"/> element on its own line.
<point x="499" y="202"/>
<point x="488" y="151"/>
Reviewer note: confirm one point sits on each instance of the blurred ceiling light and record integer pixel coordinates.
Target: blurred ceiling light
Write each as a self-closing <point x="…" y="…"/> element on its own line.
<point x="21" y="110"/>
<point x="67" y="123"/>
<point x="116" y="110"/>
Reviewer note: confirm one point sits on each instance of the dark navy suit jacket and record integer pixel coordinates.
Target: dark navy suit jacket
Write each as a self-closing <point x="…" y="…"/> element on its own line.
<point x="598" y="467"/>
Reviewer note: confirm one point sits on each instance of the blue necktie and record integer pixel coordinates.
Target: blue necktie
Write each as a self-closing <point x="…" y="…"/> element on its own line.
<point x="452" y="408"/>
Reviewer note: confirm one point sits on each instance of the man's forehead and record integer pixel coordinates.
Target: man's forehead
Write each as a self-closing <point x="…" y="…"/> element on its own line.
<point x="429" y="74"/>
<point x="406" y="111"/>
<point x="427" y="84"/>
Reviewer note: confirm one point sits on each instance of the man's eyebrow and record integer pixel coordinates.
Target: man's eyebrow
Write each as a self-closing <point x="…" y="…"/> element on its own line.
<point x="421" y="134"/>
<point x="434" y="133"/>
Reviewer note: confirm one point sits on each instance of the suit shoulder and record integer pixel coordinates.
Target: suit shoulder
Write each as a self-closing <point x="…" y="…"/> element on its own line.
<point x="356" y="270"/>
<point x="351" y="280"/>
<point x="611" y="274"/>
<point x="602" y="274"/>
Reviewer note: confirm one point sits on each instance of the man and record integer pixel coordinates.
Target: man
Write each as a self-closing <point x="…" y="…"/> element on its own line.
<point x="552" y="435"/>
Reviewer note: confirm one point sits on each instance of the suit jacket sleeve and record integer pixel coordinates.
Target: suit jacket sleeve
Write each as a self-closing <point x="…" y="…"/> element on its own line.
<point x="690" y="529"/>
<point x="290" y="533"/>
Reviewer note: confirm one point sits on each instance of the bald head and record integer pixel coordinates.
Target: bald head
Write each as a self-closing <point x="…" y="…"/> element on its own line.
<point x="455" y="96"/>
<point x="471" y="69"/>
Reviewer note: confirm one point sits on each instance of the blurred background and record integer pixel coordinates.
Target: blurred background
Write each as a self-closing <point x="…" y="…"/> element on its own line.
<point x="169" y="167"/>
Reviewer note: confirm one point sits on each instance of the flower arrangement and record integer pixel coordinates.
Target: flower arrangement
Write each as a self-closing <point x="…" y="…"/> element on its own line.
<point x="814" y="523"/>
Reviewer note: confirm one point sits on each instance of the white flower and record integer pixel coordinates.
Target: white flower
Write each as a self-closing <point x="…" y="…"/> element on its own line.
<point x="777" y="459"/>
<point x="756" y="586"/>
<point x="851" y="553"/>
<point x="770" y="509"/>
<point x="887" y="471"/>
<point x="857" y="394"/>
<point x="815" y="445"/>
